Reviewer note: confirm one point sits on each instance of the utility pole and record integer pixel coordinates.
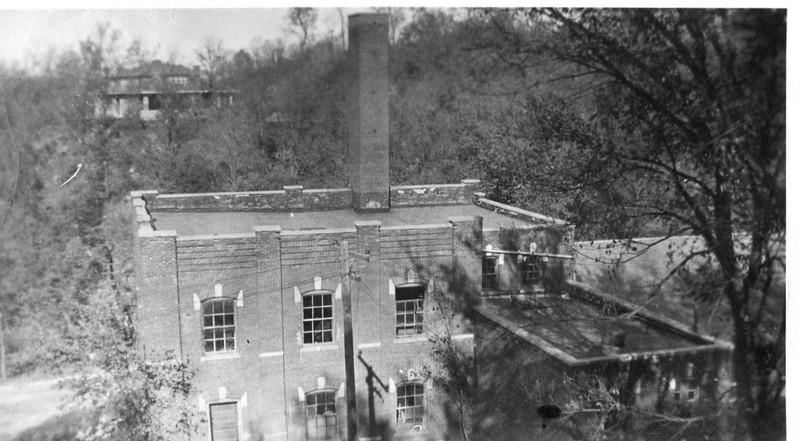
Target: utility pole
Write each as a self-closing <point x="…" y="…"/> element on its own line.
<point x="349" y="362"/>
<point x="349" y="359"/>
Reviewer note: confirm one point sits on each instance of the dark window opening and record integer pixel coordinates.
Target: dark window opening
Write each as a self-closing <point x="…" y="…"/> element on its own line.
<point x="410" y="301"/>
<point x="489" y="272"/>
<point x="153" y="102"/>
<point x="318" y="317"/>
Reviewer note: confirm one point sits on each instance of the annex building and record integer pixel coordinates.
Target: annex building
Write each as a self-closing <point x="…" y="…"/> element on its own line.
<point x="274" y="296"/>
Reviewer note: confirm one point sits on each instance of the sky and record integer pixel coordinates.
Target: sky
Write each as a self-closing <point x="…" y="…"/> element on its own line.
<point x="170" y="32"/>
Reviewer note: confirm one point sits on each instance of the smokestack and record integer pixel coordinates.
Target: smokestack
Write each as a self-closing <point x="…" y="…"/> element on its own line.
<point x="368" y="149"/>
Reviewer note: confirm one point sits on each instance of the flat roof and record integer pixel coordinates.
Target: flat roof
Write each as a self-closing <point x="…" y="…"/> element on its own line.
<point x="203" y="223"/>
<point x="577" y="333"/>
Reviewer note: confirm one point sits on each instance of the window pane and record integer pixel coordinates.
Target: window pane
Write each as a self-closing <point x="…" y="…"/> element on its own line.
<point x="218" y="326"/>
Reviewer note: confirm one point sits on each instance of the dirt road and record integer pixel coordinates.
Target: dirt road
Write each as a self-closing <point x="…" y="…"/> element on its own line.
<point x="24" y="405"/>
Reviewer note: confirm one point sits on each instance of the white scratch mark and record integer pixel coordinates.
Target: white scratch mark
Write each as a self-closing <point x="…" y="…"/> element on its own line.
<point x="73" y="175"/>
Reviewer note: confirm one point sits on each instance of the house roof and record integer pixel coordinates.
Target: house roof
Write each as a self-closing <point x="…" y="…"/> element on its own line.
<point x="153" y="78"/>
<point x="578" y="332"/>
<point x="200" y="223"/>
<point x="155" y="69"/>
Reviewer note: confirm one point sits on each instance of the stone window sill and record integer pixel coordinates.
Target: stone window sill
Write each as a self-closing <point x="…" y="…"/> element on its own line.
<point x="319" y="347"/>
<point x="411" y="339"/>
<point x="221" y="356"/>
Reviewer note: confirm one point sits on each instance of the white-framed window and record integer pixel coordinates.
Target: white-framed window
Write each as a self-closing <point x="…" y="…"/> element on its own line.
<point x="411" y="406"/>
<point x="219" y="325"/>
<point x="224" y="421"/>
<point x="177" y="79"/>
<point x="317" y="317"/>
<point x="321" y="420"/>
<point x="410" y="309"/>
<point x="489" y="272"/>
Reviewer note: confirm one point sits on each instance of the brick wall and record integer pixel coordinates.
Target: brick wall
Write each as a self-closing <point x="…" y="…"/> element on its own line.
<point x="296" y="198"/>
<point x="266" y="273"/>
<point x="427" y="195"/>
<point x="548" y="239"/>
<point x="291" y="198"/>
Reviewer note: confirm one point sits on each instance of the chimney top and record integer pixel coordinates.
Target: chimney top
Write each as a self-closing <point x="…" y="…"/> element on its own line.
<point x="367" y="18"/>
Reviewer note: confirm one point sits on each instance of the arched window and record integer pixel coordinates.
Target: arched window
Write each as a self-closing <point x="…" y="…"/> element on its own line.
<point x="321" y="415"/>
<point x="410" y="301"/>
<point x="317" y="317"/>
<point x="219" y="328"/>
<point x="411" y="405"/>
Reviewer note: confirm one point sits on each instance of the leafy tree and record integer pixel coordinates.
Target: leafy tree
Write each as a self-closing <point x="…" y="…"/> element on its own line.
<point x="688" y="115"/>
<point x="134" y="397"/>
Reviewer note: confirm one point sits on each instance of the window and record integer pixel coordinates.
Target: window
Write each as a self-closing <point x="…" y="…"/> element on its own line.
<point x="318" y="317"/>
<point x="224" y="422"/>
<point x="532" y="271"/>
<point x="691" y="395"/>
<point x="489" y="273"/>
<point x="410" y="309"/>
<point x="411" y="405"/>
<point x="321" y="415"/>
<point x="153" y="103"/>
<point x="219" y="330"/>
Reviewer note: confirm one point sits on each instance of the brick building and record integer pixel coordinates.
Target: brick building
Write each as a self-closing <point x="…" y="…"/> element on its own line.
<point x="252" y="288"/>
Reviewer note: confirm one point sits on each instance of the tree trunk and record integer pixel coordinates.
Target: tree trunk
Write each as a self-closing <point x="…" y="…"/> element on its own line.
<point x="742" y="367"/>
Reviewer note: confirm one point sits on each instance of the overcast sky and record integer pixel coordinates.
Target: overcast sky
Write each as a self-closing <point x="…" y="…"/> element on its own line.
<point x="168" y="27"/>
<point x="175" y="31"/>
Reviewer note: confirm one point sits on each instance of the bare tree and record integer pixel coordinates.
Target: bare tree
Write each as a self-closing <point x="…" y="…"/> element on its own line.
<point x="396" y="18"/>
<point x="302" y="22"/>
<point x="213" y="58"/>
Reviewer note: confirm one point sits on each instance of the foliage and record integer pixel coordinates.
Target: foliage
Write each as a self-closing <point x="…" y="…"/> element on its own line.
<point x="134" y="397"/>
<point x="689" y="121"/>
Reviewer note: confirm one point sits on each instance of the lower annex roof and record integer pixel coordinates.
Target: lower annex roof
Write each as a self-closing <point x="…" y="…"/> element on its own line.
<point x="202" y="223"/>
<point x="578" y="333"/>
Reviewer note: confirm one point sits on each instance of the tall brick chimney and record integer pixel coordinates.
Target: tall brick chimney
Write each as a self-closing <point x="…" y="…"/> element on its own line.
<point x="368" y="149"/>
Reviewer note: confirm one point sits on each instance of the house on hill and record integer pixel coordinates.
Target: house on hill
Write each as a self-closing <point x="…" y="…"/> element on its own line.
<point x="149" y="89"/>
<point x="311" y="313"/>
